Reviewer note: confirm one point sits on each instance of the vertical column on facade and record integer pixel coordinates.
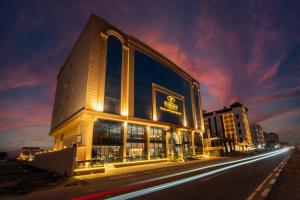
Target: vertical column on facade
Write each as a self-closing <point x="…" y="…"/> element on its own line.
<point x="180" y="153"/>
<point x="148" y="142"/>
<point x="124" y="134"/>
<point x="193" y="143"/>
<point x="88" y="130"/>
<point x="201" y="110"/>
<point x="125" y="81"/>
<point x="167" y="135"/>
<point x="202" y="141"/>
<point x="193" y="106"/>
<point x="102" y="70"/>
<point x="56" y="143"/>
<point x="131" y="81"/>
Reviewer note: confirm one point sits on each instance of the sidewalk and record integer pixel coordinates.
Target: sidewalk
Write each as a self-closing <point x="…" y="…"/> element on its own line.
<point x="287" y="185"/>
<point x="119" y="176"/>
<point x="146" y="167"/>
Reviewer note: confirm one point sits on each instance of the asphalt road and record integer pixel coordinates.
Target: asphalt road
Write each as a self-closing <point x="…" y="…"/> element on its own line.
<point x="236" y="182"/>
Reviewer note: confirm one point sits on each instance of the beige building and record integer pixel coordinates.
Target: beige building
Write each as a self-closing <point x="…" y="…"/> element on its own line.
<point x="257" y="135"/>
<point x="227" y="130"/>
<point x="119" y="100"/>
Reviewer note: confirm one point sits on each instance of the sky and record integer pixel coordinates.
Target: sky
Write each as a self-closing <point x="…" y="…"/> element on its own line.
<point x="246" y="51"/>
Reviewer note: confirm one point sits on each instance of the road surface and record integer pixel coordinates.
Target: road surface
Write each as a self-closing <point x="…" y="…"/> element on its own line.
<point x="231" y="178"/>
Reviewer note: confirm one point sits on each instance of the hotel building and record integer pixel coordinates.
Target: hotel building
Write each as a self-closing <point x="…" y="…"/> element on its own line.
<point x="227" y="130"/>
<point x="119" y="100"/>
<point x="257" y="136"/>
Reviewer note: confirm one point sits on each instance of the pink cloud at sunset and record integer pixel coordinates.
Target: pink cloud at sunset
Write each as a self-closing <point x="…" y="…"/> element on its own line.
<point x="238" y="51"/>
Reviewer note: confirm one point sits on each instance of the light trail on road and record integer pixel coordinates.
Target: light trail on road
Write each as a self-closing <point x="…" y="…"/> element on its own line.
<point x="151" y="182"/>
<point x="202" y="168"/>
<point x="189" y="179"/>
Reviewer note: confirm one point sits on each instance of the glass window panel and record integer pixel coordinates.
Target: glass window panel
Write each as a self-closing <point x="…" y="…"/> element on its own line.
<point x="148" y="71"/>
<point x="113" y="76"/>
<point x="107" y="141"/>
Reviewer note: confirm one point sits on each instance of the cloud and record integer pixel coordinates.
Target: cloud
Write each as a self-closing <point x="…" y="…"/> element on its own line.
<point x="277" y="96"/>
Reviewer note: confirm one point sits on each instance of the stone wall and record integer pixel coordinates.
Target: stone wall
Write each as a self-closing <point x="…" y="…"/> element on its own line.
<point x="62" y="162"/>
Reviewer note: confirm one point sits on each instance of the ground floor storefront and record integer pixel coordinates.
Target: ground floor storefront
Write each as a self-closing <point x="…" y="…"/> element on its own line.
<point x="116" y="141"/>
<point x="108" y="141"/>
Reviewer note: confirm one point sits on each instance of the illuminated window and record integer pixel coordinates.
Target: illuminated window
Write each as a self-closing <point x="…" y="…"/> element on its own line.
<point x="157" y="143"/>
<point x="136" y="142"/>
<point x="107" y="141"/>
<point x="186" y="143"/>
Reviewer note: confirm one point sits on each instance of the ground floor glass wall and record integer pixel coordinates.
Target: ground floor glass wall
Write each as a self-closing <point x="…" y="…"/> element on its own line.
<point x="186" y="143"/>
<point x="136" y="142"/>
<point x="198" y="143"/>
<point x="157" y="143"/>
<point x="107" y="141"/>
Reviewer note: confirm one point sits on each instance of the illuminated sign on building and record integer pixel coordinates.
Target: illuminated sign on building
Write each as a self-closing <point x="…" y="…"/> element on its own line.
<point x="170" y="105"/>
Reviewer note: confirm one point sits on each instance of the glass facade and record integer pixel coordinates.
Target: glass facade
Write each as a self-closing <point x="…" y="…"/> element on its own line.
<point x="107" y="141"/>
<point x="186" y="143"/>
<point x="148" y="71"/>
<point x="136" y="142"/>
<point x="112" y="97"/>
<point x="161" y="98"/>
<point x="157" y="143"/>
<point x="198" y="142"/>
<point x="173" y="145"/>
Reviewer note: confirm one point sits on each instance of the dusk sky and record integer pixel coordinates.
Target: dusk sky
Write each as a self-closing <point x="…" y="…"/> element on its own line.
<point x="246" y="51"/>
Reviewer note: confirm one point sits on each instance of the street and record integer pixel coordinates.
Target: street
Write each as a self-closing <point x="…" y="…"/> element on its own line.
<point x="226" y="178"/>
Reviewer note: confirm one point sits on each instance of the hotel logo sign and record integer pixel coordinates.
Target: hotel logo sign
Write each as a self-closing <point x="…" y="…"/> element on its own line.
<point x="170" y="105"/>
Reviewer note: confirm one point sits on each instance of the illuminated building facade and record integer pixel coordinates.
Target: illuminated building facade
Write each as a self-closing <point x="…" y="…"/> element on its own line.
<point x="227" y="130"/>
<point x="119" y="100"/>
<point x="257" y="136"/>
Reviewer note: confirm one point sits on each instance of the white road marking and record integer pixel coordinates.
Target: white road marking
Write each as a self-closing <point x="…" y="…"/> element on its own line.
<point x="160" y="187"/>
<point x="206" y="167"/>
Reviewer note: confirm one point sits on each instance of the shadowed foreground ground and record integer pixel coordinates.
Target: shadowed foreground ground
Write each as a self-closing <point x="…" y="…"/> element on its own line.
<point x="287" y="185"/>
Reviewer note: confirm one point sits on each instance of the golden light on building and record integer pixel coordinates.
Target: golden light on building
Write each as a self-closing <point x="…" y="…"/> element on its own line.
<point x="132" y="103"/>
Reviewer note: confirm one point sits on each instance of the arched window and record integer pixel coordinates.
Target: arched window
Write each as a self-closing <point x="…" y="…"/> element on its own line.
<point x="112" y="97"/>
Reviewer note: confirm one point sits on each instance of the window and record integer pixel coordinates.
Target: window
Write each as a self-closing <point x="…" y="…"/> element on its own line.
<point x="237" y="116"/>
<point x="113" y="76"/>
<point x="136" y="142"/>
<point x="240" y="132"/>
<point x="157" y="143"/>
<point x="186" y="143"/>
<point x="198" y="142"/>
<point x="238" y="124"/>
<point x="147" y="71"/>
<point x="107" y="141"/>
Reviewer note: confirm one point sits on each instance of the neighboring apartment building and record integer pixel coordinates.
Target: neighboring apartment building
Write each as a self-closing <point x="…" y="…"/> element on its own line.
<point x="271" y="140"/>
<point x="257" y="136"/>
<point x="227" y="129"/>
<point x="119" y="100"/>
